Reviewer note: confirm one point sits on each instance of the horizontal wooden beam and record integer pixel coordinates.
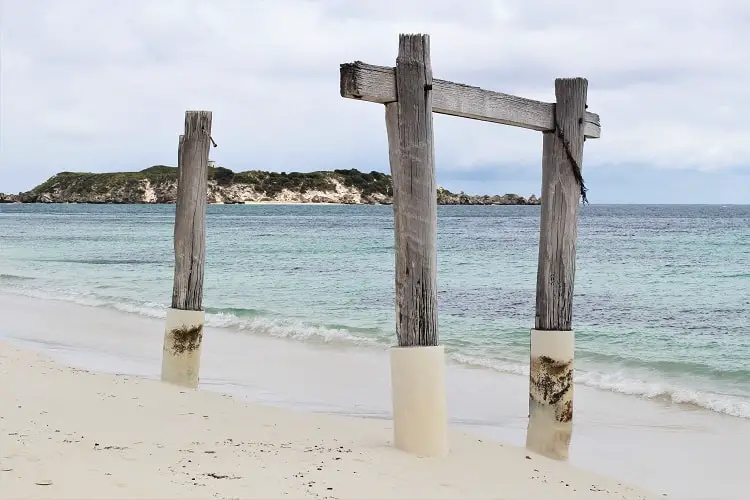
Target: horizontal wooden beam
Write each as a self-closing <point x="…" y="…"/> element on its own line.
<point x="378" y="84"/>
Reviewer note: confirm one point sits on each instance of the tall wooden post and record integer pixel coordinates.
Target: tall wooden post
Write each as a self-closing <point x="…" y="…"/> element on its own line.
<point x="184" y="326"/>
<point x="410" y="96"/>
<point x="552" y="340"/>
<point x="418" y="362"/>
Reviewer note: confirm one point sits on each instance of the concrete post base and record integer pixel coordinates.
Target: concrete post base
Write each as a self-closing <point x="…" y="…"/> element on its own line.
<point x="551" y="393"/>
<point x="420" y="422"/>
<point x="181" y="355"/>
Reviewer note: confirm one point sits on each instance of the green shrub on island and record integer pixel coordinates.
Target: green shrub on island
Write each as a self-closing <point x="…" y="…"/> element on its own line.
<point x="157" y="184"/>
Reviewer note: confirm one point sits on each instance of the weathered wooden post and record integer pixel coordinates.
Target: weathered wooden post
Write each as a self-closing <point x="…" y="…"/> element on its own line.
<point x="184" y="326"/>
<point x="418" y="362"/>
<point x="409" y="93"/>
<point x="552" y="340"/>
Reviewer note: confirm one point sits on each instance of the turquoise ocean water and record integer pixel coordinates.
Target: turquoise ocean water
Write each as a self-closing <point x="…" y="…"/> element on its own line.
<point x="662" y="297"/>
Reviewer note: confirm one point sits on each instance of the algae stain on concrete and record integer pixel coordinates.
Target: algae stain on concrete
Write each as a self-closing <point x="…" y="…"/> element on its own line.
<point x="186" y="339"/>
<point x="551" y="382"/>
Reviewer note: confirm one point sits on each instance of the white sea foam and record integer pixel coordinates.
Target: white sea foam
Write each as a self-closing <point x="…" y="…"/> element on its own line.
<point x="296" y="330"/>
<point x="262" y="325"/>
<point x="617" y="381"/>
<point x="494" y="364"/>
<point x="149" y="309"/>
<point x="624" y="383"/>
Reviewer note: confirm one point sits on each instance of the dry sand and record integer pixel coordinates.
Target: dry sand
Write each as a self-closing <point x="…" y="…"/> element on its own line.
<point x="69" y="433"/>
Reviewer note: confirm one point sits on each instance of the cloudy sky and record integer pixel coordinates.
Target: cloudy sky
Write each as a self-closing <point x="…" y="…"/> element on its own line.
<point x="102" y="85"/>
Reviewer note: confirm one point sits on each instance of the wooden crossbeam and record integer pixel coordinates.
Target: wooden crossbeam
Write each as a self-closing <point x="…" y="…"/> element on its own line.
<point x="367" y="82"/>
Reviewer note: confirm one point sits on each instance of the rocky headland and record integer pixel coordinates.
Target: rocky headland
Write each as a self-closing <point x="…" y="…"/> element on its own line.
<point x="158" y="184"/>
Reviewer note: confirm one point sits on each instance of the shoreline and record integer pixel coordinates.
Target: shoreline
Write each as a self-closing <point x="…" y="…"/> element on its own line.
<point x="635" y="440"/>
<point x="515" y="368"/>
<point x="265" y="203"/>
<point x="129" y="436"/>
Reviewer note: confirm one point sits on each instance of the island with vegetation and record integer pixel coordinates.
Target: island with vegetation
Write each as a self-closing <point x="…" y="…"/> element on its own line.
<point x="158" y="184"/>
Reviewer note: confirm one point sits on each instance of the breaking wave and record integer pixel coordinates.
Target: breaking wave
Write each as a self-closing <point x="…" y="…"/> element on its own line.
<point x="624" y="383"/>
<point x="249" y="321"/>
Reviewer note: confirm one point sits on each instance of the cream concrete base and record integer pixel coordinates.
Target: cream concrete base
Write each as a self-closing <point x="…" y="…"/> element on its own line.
<point x="420" y="422"/>
<point x="551" y="393"/>
<point x="181" y="355"/>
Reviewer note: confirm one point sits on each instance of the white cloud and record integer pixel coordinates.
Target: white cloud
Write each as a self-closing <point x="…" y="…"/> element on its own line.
<point x="101" y="85"/>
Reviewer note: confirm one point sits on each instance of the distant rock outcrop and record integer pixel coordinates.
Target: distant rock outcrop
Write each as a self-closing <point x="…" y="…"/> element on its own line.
<point x="158" y="184"/>
<point x="8" y="198"/>
<point x="445" y="197"/>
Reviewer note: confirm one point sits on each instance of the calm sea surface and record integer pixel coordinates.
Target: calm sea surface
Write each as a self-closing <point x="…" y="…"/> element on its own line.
<point x="662" y="294"/>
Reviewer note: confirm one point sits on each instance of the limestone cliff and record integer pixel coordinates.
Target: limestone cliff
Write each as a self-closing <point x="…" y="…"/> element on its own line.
<point x="158" y="184"/>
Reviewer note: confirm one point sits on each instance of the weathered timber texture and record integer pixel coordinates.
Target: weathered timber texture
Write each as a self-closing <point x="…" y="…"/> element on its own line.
<point x="561" y="194"/>
<point x="366" y="82"/>
<point x="412" y="159"/>
<point x="190" y="213"/>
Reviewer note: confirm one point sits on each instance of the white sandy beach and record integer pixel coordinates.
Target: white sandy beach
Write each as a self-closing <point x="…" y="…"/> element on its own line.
<point x="664" y="449"/>
<point x="69" y="433"/>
